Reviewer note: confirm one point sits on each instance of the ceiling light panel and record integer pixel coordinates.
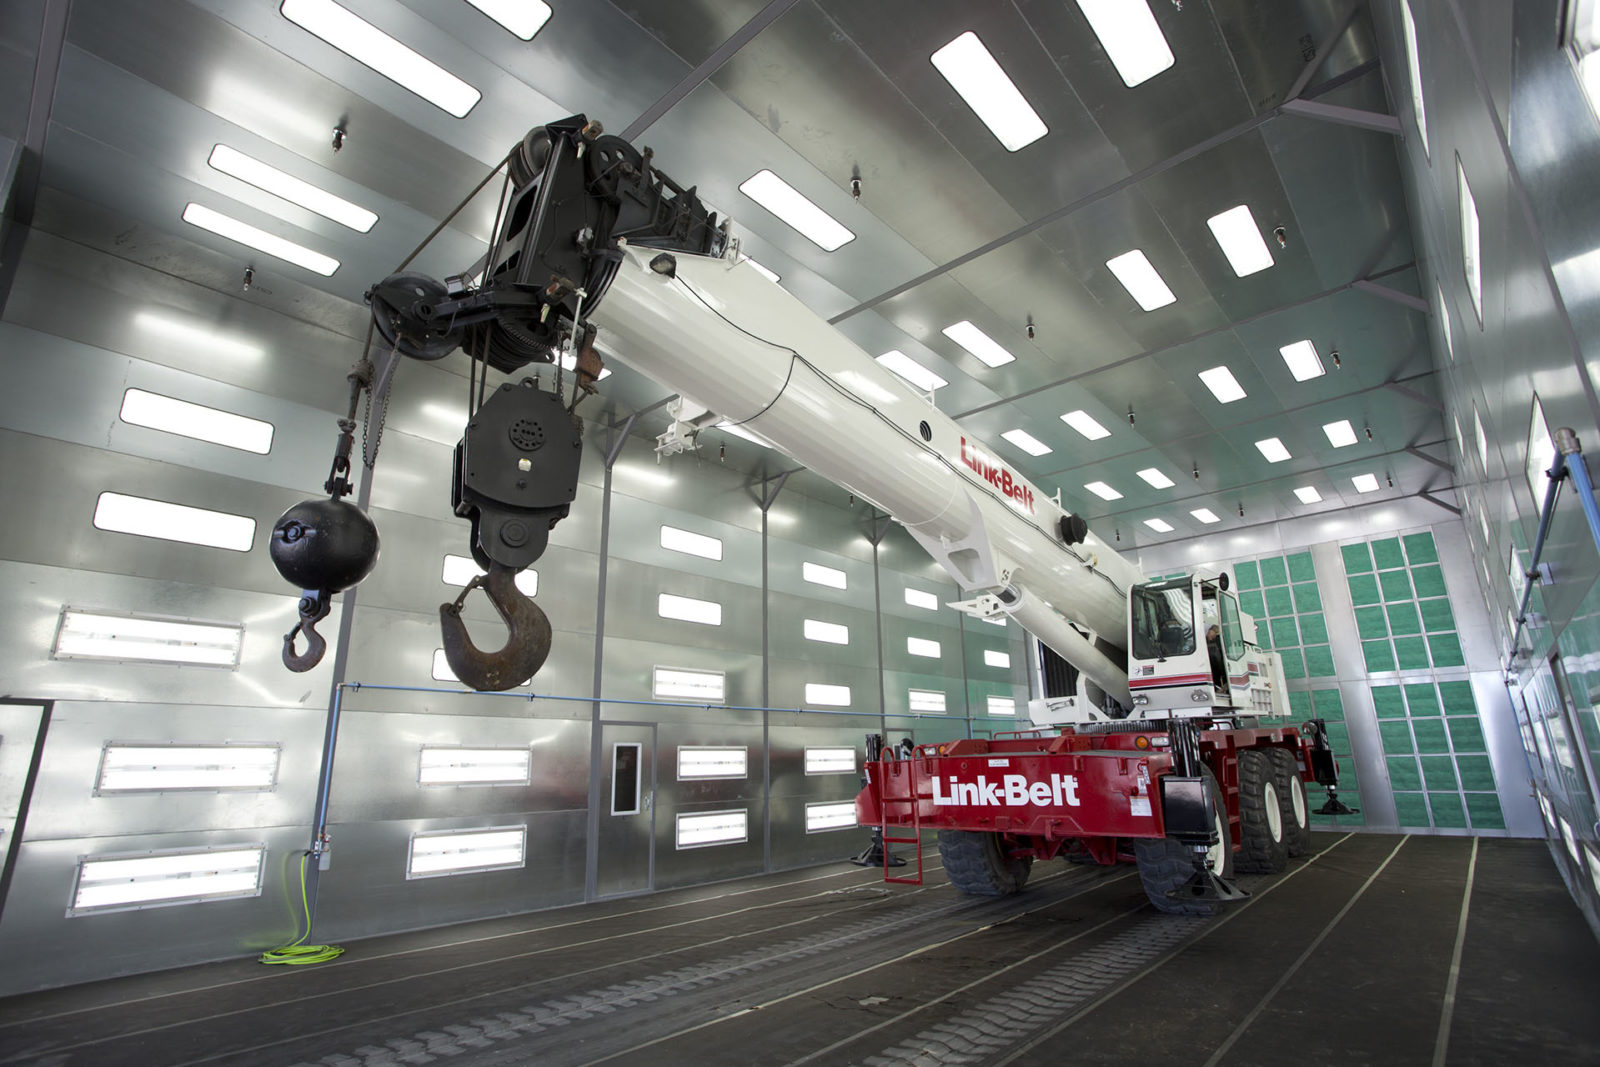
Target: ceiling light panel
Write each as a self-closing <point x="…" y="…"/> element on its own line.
<point x="1205" y="515"/>
<point x="817" y="574"/>
<point x="1302" y="360"/>
<point x="95" y="635"/>
<point x="787" y="202"/>
<point x="827" y="815"/>
<point x="995" y="658"/>
<point x="1365" y="483"/>
<point x="459" y="570"/>
<point x="688" y="609"/>
<point x="270" y="179"/>
<point x="831" y="633"/>
<point x="917" y="598"/>
<point x="1103" y="491"/>
<point x="832" y="696"/>
<point x="681" y="683"/>
<point x="460" y="765"/>
<point x="928" y="701"/>
<point x="1340" y="433"/>
<point x="1137" y="276"/>
<point x="1308" y="494"/>
<point x="1236" y="231"/>
<point x="1159" y="525"/>
<point x="1223" y="385"/>
<point x="1155" y="478"/>
<point x="1085" y="424"/>
<point x="441" y="853"/>
<point x="1027" y="442"/>
<point x="1130" y="36"/>
<point x="170" y="415"/>
<point x="259" y="239"/>
<point x="691" y="543"/>
<point x="522" y="17"/>
<point x="912" y="371"/>
<point x="830" y="760"/>
<point x="766" y="272"/>
<point x="1273" y="449"/>
<point x="973" y="72"/>
<point x="365" y="43"/>
<point x="979" y="344"/>
<point x="186" y="876"/>
<point x="1002" y="706"/>
<point x="173" y="522"/>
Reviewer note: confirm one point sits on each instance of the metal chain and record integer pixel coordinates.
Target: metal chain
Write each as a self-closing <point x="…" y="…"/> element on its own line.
<point x="368" y="435"/>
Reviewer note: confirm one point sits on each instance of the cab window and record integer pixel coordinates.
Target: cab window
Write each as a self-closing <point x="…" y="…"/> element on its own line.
<point x="1232" y="631"/>
<point x="1162" y="620"/>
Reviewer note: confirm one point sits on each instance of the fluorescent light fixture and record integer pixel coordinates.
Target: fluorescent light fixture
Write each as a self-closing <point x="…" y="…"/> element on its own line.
<point x="1236" y="231"/>
<point x="1102" y="490"/>
<point x="980" y="344"/>
<point x="1482" y="437"/>
<point x="522" y="17"/>
<point x="259" y="239"/>
<point x="997" y="659"/>
<point x="972" y="71"/>
<point x="786" y="202"/>
<point x="930" y="701"/>
<point x="1303" y="361"/>
<point x="1205" y="515"/>
<point x="1027" y="442"/>
<point x="186" y="876"/>
<point x="1273" y="449"/>
<point x="817" y="574"/>
<point x="832" y="633"/>
<point x="441" y="668"/>
<point x="365" y="43"/>
<point x="1002" y="706"/>
<point x="832" y="696"/>
<point x="1137" y="276"/>
<point x="1223" y="385"/>
<point x="688" y="609"/>
<point x="1340" y="433"/>
<point x="459" y="765"/>
<point x="1444" y="324"/>
<point x="681" y="683"/>
<point x="1471" y="247"/>
<point x="712" y="828"/>
<point x="1159" y="525"/>
<point x="1155" y="478"/>
<point x="143" y="517"/>
<point x="713" y="761"/>
<point x="1308" y="494"/>
<point x="459" y="570"/>
<point x="196" y="421"/>
<point x="195" y="336"/>
<point x="912" y="371"/>
<point x="1365" y="483"/>
<point x="1414" y="69"/>
<point x="919" y="599"/>
<point x="767" y="273"/>
<point x="1085" y="424"/>
<point x="1130" y="36"/>
<point x="134" y="638"/>
<point x="692" y="544"/>
<point x="438" y="853"/>
<point x="830" y="815"/>
<point x="270" y="179"/>
<point x="922" y="646"/>
<point x="829" y="760"/>
<point x="165" y="768"/>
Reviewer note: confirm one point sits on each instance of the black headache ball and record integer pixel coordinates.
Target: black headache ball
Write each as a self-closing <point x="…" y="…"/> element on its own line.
<point x="324" y="544"/>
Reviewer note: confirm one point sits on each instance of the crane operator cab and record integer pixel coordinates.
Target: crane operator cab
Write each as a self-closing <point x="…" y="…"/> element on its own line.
<point x="1193" y="653"/>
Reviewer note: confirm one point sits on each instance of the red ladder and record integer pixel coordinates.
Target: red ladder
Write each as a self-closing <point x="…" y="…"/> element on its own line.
<point x="891" y="769"/>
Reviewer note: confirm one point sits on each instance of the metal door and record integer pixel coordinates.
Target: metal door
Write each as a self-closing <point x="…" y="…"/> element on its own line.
<point x="626" y="852"/>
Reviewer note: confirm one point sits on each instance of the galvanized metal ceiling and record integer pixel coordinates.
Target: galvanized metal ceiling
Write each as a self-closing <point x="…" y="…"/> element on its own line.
<point x="949" y="226"/>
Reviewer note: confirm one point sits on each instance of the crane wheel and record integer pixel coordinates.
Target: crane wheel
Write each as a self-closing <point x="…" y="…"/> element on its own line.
<point x="1263" y="844"/>
<point x="1166" y="864"/>
<point x="978" y="866"/>
<point x="1292" y="798"/>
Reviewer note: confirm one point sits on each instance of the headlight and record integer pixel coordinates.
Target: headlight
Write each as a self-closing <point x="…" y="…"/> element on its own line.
<point x="1141" y="699"/>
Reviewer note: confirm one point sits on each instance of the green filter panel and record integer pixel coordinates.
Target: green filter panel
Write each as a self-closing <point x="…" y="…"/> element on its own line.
<point x="1294" y="664"/>
<point x="1396" y="736"/>
<point x="1372" y="623"/>
<point x="1447" y="810"/>
<point x="1412" y="809"/>
<point x="1484" y="808"/>
<point x="1389" y="701"/>
<point x="1379" y="656"/>
<point x="1428" y="581"/>
<point x="1357" y="558"/>
<point x="1306" y="597"/>
<point x="1431" y="735"/>
<point x="1422" y="699"/>
<point x="1319" y="661"/>
<point x="1363" y="589"/>
<point x="1328" y="704"/>
<point x="1403" y="773"/>
<point x="1387" y="553"/>
<point x="1246" y="575"/>
<point x="1439" y="772"/>
<point x="1467" y="734"/>
<point x="1421" y="549"/>
<point x="1284" y="633"/>
<point x="1273" y="571"/>
<point x="1301" y="569"/>
<point x="1396" y="585"/>
<point x="1253" y="605"/>
<point x="1313" y="629"/>
<point x="1300" y="704"/>
<point x="1411" y="653"/>
<point x="1446" y="650"/>
<point x="1457" y="698"/>
<point x="1279" y="601"/>
<point x="1476" y="773"/>
<point x="1437" y="616"/>
<point x="1403" y="619"/>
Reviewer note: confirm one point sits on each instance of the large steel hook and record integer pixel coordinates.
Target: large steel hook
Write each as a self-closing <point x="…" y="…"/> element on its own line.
<point x="314" y="607"/>
<point x="525" y="649"/>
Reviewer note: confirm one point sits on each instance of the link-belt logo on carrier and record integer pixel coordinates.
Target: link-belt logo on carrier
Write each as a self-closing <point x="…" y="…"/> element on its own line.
<point x="996" y="475"/>
<point x="1011" y="791"/>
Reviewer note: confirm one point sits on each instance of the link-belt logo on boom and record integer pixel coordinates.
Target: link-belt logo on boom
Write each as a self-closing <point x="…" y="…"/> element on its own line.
<point x="1009" y="484"/>
<point x="1012" y="791"/>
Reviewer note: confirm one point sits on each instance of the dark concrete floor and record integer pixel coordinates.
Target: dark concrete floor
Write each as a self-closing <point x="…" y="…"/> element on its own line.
<point x="1346" y="958"/>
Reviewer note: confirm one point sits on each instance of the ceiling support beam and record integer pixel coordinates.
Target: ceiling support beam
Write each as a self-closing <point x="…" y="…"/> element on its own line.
<point x="1324" y="46"/>
<point x="1384" y="292"/>
<point x="1430" y="498"/>
<point x="1443" y="464"/>
<point x="21" y="190"/>
<point x="771" y="495"/>
<point x="1344" y="116"/>
<point x="709" y="66"/>
<point x="1412" y="394"/>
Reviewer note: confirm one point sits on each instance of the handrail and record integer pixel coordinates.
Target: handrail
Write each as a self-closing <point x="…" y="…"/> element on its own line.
<point x="1568" y="462"/>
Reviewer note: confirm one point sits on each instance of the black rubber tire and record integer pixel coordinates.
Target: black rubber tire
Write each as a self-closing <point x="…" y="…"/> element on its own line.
<point x="1296" y="823"/>
<point x="977" y="866"/>
<point x="1262" y="847"/>
<point x="1165" y="864"/>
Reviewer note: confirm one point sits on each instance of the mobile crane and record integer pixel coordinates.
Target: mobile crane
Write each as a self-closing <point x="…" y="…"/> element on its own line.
<point x="1147" y="747"/>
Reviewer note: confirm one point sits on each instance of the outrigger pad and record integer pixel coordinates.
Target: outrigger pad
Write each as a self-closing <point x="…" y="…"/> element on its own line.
<point x="1204" y="884"/>
<point x="1335" y="806"/>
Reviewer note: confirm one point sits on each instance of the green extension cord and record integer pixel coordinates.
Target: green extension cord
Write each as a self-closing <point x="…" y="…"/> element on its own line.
<point x="294" y="953"/>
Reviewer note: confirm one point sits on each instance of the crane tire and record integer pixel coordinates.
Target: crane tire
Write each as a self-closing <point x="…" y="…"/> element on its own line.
<point x="1166" y="864"/>
<point x="1292" y="798"/>
<point x="977" y="865"/>
<point x="1263" y="848"/>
